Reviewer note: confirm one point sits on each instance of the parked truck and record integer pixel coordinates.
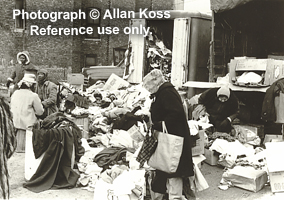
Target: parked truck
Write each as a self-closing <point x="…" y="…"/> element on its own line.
<point x="251" y="28"/>
<point x="177" y="44"/>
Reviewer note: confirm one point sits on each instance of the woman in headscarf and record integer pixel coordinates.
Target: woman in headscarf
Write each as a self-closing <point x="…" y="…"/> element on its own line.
<point x="7" y="145"/>
<point x="25" y="106"/>
<point x="47" y="92"/>
<point x="167" y="106"/>
<point x="222" y="106"/>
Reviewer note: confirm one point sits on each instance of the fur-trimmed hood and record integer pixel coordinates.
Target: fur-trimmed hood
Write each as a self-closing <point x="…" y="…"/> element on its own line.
<point x="25" y="53"/>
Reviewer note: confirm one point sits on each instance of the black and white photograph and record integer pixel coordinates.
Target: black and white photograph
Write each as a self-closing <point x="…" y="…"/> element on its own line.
<point x="141" y="99"/>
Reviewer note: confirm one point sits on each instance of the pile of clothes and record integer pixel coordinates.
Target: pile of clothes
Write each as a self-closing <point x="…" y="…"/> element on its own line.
<point x="158" y="55"/>
<point x="118" y="122"/>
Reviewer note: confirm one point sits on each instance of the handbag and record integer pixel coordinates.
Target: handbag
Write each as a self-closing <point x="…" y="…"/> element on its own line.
<point x="148" y="148"/>
<point x="168" y="152"/>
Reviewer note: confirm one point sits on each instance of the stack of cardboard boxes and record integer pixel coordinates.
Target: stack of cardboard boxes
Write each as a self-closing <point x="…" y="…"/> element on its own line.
<point x="271" y="69"/>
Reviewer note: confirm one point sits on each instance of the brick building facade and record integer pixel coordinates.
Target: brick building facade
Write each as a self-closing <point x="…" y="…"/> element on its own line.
<point x="62" y="51"/>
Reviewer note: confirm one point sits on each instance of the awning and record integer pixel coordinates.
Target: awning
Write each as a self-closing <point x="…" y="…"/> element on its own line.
<point x="223" y="5"/>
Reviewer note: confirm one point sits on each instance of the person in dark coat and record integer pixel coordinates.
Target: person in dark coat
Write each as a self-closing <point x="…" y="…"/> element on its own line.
<point x="167" y="106"/>
<point x="23" y="66"/>
<point x="47" y="92"/>
<point x="222" y="106"/>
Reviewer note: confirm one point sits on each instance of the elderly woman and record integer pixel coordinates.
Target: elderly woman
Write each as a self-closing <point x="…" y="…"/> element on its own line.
<point x="167" y="106"/>
<point x="222" y="106"/>
<point x="25" y="106"/>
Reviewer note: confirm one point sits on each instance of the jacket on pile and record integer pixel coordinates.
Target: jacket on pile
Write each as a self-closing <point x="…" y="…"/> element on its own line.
<point x="55" y="169"/>
<point x="268" y="112"/>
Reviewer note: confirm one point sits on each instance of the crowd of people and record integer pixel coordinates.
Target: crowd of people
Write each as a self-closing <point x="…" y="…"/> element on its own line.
<point x="33" y="97"/>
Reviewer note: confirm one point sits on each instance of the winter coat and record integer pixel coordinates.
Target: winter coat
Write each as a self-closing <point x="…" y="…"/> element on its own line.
<point x="268" y="113"/>
<point x="19" y="71"/>
<point x="55" y="170"/>
<point x="25" y="106"/>
<point x="167" y="106"/>
<point x="48" y="95"/>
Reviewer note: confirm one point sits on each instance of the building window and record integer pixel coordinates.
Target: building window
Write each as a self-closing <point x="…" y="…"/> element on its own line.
<point x="94" y="23"/>
<point x="19" y="21"/>
<point x="90" y="60"/>
<point x="118" y="54"/>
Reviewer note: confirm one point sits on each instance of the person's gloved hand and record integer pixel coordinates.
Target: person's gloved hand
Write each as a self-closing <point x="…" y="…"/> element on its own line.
<point x="225" y="125"/>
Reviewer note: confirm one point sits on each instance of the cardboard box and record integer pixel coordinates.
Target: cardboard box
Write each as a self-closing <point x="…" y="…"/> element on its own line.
<point x="199" y="148"/>
<point x="258" y="129"/>
<point x="246" y="178"/>
<point x="211" y="157"/>
<point x="272" y="138"/>
<point x="75" y="79"/>
<point x="114" y="82"/>
<point x="275" y="165"/>
<point x="252" y="64"/>
<point x="276" y="57"/>
<point x="275" y="71"/>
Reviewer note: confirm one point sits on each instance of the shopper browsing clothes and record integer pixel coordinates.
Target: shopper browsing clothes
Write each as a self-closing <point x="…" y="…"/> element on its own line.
<point x="167" y="106"/>
<point x="7" y="145"/>
<point x="222" y="106"/>
<point x="23" y="65"/>
<point x="25" y="106"/>
<point x="47" y="92"/>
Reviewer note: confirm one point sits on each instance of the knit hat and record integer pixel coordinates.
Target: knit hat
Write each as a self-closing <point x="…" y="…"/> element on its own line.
<point x="41" y="79"/>
<point x="224" y="90"/>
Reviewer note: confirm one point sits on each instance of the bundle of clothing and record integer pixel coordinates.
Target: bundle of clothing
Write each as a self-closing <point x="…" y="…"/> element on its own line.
<point x="57" y="136"/>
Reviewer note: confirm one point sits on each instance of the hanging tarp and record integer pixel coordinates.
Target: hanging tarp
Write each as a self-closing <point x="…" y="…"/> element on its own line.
<point x="222" y="5"/>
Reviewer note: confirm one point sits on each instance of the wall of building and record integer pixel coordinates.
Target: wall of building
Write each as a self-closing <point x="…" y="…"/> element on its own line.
<point x="10" y="42"/>
<point x="53" y="50"/>
<point x="65" y="51"/>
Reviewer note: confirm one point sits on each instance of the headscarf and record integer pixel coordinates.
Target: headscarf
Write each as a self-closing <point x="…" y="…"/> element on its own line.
<point x="153" y="80"/>
<point x="28" y="79"/>
<point x="224" y="90"/>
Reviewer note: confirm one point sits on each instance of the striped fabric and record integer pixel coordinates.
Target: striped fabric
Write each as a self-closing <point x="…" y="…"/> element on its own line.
<point x="7" y="146"/>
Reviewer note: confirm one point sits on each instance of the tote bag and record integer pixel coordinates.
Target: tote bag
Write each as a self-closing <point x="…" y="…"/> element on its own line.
<point x="167" y="154"/>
